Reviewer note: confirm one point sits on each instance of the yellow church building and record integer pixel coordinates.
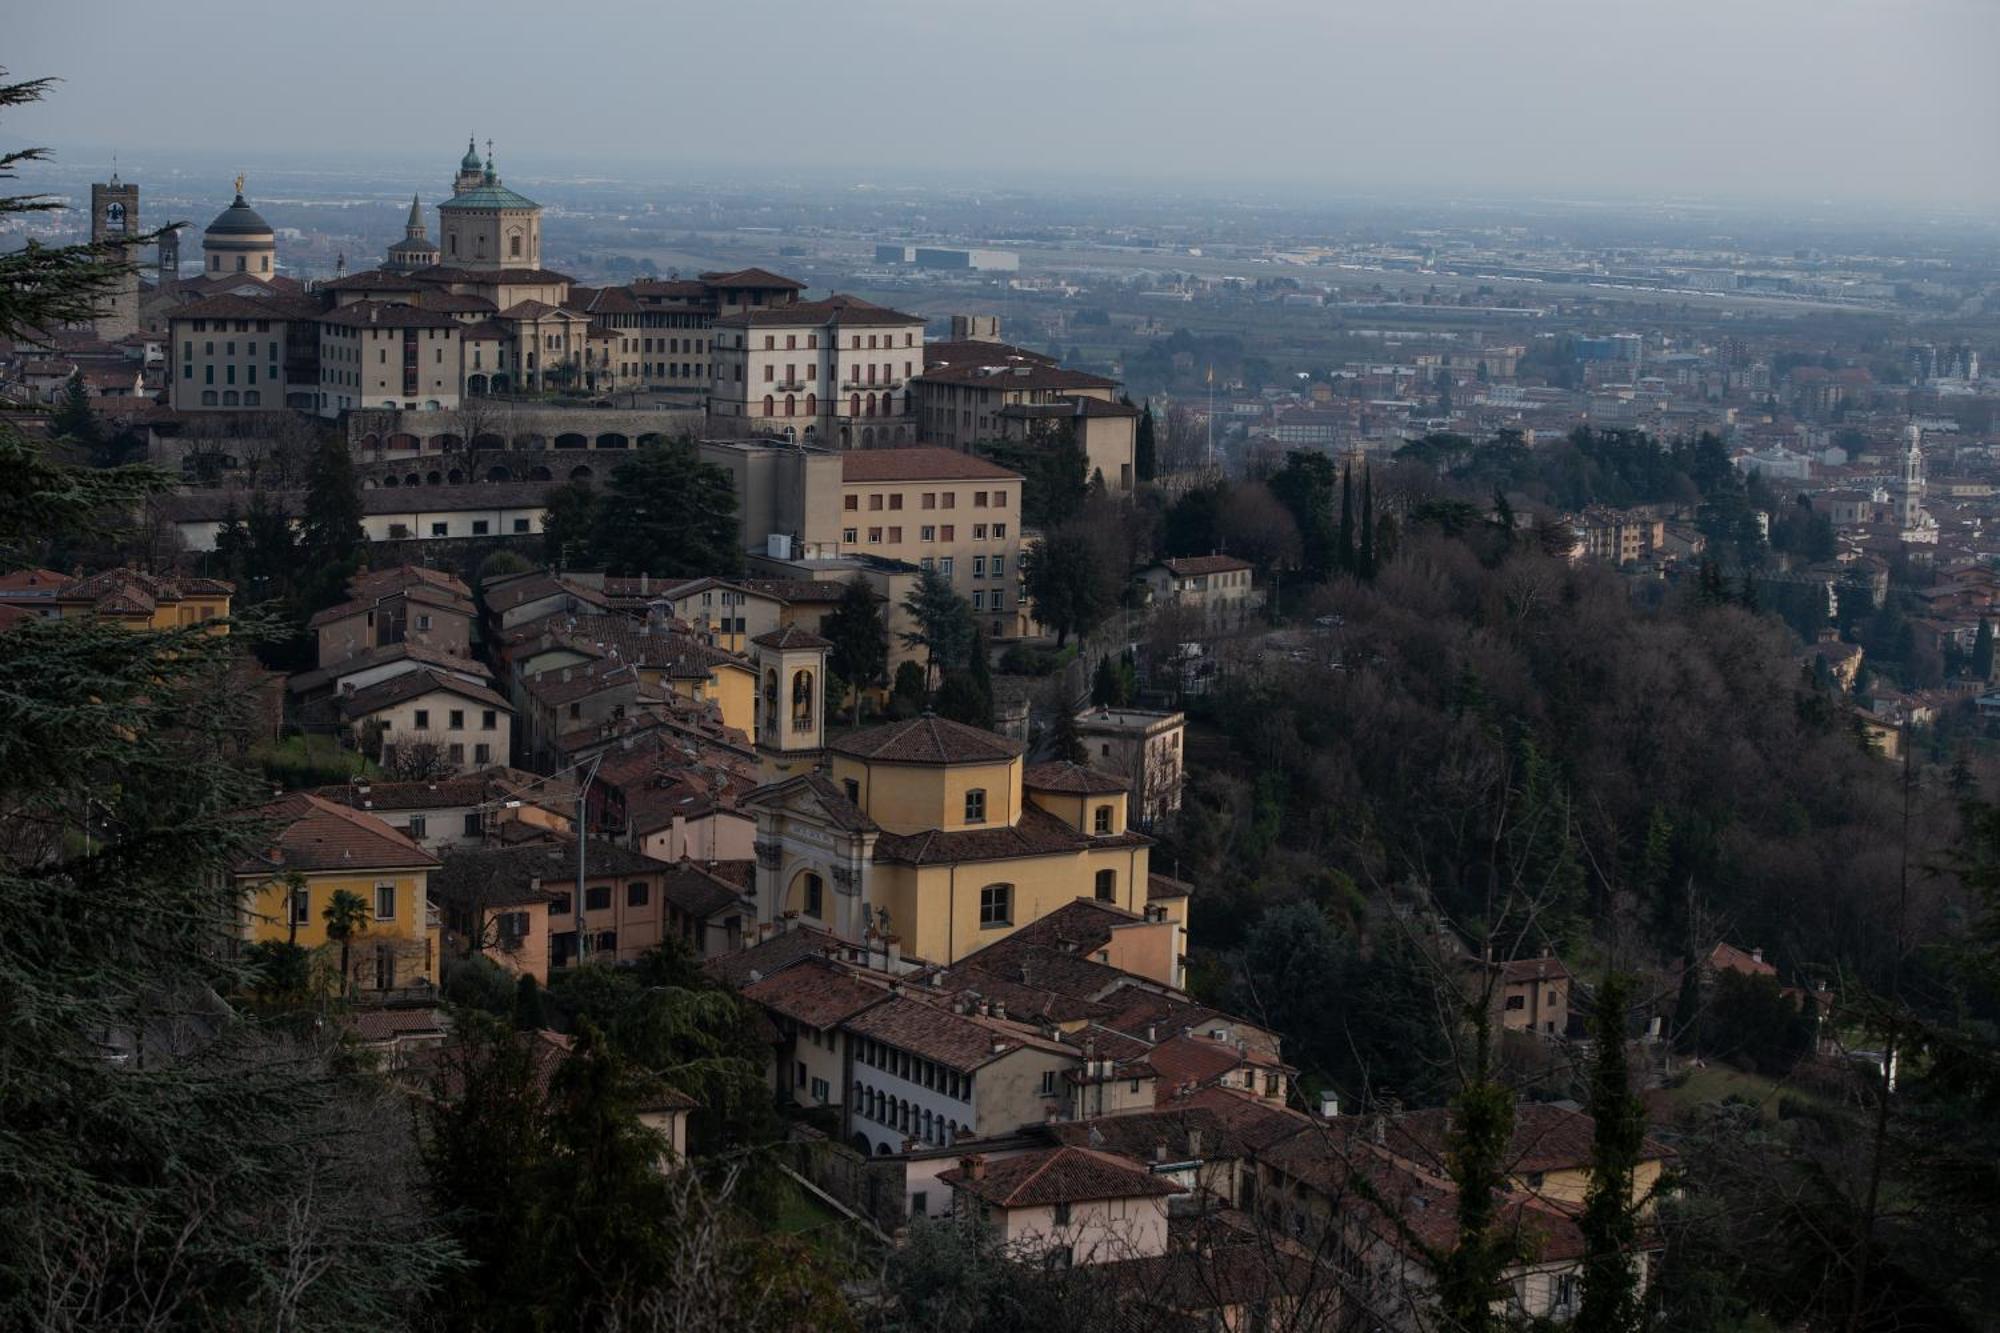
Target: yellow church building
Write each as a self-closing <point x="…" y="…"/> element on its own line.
<point x="940" y="837"/>
<point x="315" y="849"/>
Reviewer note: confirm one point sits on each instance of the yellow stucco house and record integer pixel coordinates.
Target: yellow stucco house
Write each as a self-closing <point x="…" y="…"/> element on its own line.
<point x="332" y="847"/>
<point x="139" y="600"/>
<point x="941" y="836"/>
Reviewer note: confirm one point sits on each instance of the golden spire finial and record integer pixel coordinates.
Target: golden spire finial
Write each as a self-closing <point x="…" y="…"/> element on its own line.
<point x="239" y="182"/>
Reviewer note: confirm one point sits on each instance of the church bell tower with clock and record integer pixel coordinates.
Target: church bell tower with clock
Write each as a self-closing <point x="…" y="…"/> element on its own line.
<point x="114" y="217"/>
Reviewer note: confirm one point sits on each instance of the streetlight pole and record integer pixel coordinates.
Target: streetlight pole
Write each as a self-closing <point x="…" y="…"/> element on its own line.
<point x="582" y="837"/>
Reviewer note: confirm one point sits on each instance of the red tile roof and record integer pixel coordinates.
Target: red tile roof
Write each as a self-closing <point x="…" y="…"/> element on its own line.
<point x="1074" y="779"/>
<point x="928" y="740"/>
<point x="1188" y="565"/>
<point x="1058" y="1175"/>
<point x="753" y="277"/>
<point x="958" y="1041"/>
<point x="817" y="993"/>
<point x="1036" y="833"/>
<point x="316" y="834"/>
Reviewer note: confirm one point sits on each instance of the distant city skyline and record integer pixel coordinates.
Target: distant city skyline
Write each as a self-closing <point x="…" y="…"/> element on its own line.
<point x="1805" y="100"/>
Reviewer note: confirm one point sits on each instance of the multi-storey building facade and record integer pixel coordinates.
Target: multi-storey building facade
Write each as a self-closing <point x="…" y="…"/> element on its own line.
<point x="245" y="353"/>
<point x="837" y="371"/>
<point x="945" y="510"/>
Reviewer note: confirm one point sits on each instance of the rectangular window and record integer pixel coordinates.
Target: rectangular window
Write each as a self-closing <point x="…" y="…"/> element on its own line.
<point x="944" y="565"/>
<point x="489" y="719"/>
<point x="996" y="905"/>
<point x="440" y="529"/>
<point x="978" y="600"/>
<point x="482" y="754"/>
<point x="479" y="527"/>
<point x="385" y="902"/>
<point x="999" y="531"/>
<point x="820" y="1091"/>
<point x="637" y="893"/>
<point x="1102" y="823"/>
<point x="979" y="566"/>
<point x="947" y="533"/>
<point x="979" y="532"/>
<point x="896" y="500"/>
<point x="851" y="502"/>
<point x="472" y="826"/>
<point x="456" y="753"/>
<point x="416" y="827"/>
<point x="979" y="499"/>
<point x="874" y="536"/>
<point x="423" y="719"/>
<point x="999" y="565"/>
<point x="302" y="906"/>
<point x="456" y="721"/>
<point x="895" y="536"/>
<point x="975" y="805"/>
<point x="930" y="500"/>
<point x="850" y="535"/>
<point x="927" y="533"/>
<point x="596" y="897"/>
<point x="951" y="499"/>
<point x="999" y="499"/>
<point x="561" y="904"/>
<point x="874" y="502"/>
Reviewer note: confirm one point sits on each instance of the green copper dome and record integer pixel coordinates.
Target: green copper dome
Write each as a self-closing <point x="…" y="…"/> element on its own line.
<point x="470" y="162"/>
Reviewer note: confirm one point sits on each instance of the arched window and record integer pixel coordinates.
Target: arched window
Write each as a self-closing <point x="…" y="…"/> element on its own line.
<point x="770" y="405"/>
<point x="813" y="902"/>
<point x="208" y="398"/>
<point x="869" y="403"/>
<point x="253" y="397"/>
<point x="802" y="700"/>
<point x="854" y="405"/>
<point x="791" y="405"/>
<point x="229" y="398"/>
<point x="1107" y="886"/>
<point x="867" y="436"/>
<point x="812" y="406"/>
<point x="770" y="718"/>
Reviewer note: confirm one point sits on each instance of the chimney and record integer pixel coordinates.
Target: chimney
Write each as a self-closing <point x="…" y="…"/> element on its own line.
<point x="1757" y="955"/>
<point x="1329" y="1105"/>
<point x="1159" y="1152"/>
<point x="974" y="1166"/>
<point x="1152" y="1034"/>
<point x="999" y="1009"/>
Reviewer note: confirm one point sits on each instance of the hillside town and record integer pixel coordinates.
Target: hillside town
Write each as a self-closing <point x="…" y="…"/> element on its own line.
<point x="975" y="777"/>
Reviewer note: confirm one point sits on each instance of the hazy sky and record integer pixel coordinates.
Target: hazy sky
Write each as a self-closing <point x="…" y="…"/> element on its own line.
<point x="1864" y="100"/>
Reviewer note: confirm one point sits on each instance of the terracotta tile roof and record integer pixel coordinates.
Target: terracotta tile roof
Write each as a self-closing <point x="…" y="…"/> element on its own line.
<point x="31" y="584"/>
<point x="136" y="592"/>
<point x="1185" y="1062"/>
<point x="387" y="315"/>
<point x="1729" y="958"/>
<point x="444" y="794"/>
<point x="1530" y="969"/>
<point x="817" y="993"/>
<point x="604" y="301"/>
<point x="382" y="654"/>
<point x="1160" y="887"/>
<point x="654" y="648"/>
<point x="530" y="310"/>
<point x="1188" y="566"/>
<point x="414" y="685"/>
<point x="919" y="464"/>
<point x="514" y="592"/>
<point x="372" y="280"/>
<point x="314" y="834"/>
<point x="1252" y="1123"/>
<point x="1187" y="1133"/>
<point x="791" y="636"/>
<point x="486" y="331"/>
<point x="1075" y="779"/>
<point x="490" y="277"/>
<point x="752" y="277"/>
<point x="927" y="740"/>
<point x="834" y="312"/>
<point x="796" y="590"/>
<point x="532" y="872"/>
<point x="957" y="1041"/>
<point x="701" y="892"/>
<point x="387" y="1024"/>
<point x="1246" y="1274"/>
<point x="1546" y="1137"/>
<point x="769" y="955"/>
<point x="562" y="685"/>
<point x="1059" y="1175"/>
<point x="227" y="306"/>
<point x="1036" y="833"/>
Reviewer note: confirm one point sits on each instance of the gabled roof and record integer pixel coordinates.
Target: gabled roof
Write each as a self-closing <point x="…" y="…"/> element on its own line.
<point x="698" y="891"/>
<point x="817" y="993"/>
<point x="760" y="278"/>
<point x="957" y="1041"/>
<point x="387" y="315"/>
<point x="382" y="654"/>
<point x="1072" y="779"/>
<point x="1011" y="373"/>
<point x="1189" y="565"/>
<point x="927" y="740"/>
<point x="315" y="834"/>
<point x="834" y="311"/>
<point x="787" y="637"/>
<point x="1059" y="1175"/>
<point x="845" y="814"/>
<point x="228" y="306"/>
<point x="414" y="685"/>
<point x="1035" y="833"/>
<point x="769" y="955"/>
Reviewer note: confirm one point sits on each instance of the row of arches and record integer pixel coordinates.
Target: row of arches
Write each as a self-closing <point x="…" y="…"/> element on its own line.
<point x="456" y="477"/>
<point x="445" y="442"/>
<point x="858" y="404"/>
<point x="903" y="1118"/>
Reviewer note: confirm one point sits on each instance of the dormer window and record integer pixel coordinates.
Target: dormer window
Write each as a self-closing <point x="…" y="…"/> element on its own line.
<point x="975" y="806"/>
<point x="1103" y="824"/>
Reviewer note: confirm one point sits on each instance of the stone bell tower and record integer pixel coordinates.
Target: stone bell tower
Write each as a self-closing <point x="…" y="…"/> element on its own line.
<point x="114" y="217"/>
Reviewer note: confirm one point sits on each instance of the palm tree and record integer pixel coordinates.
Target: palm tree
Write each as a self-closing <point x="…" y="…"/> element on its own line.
<point x="345" y="914"/>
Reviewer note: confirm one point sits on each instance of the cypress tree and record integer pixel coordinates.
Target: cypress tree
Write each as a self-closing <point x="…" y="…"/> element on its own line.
<point x="1344" y="554"/>
<point x="1145" y="447"/>
<point x="1067" y="741"/>
<point x="1365" y="567"/>
<point x="1609" y="1222"/>
<point x="1982" y="651"/>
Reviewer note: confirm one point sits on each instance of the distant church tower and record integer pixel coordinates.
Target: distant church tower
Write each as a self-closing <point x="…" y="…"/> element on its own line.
<point x="1910" y="485"/>
<point x="485" y="225"/>
<point x="114" y="216"/>
<point x="471" y="171"/>
<point x="169" y="274"/>
<point x="415" y="250"/>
